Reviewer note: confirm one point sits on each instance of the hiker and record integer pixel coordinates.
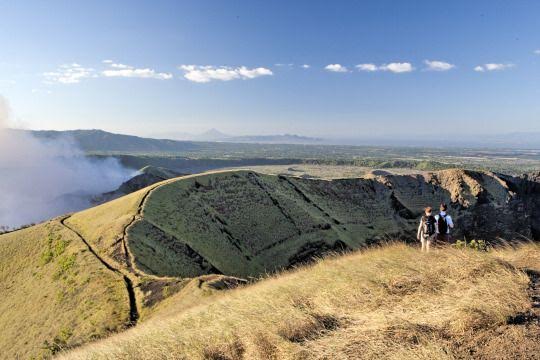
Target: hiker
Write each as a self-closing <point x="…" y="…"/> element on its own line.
<point x="444" y="224"/>
<point x="427" y="231"/>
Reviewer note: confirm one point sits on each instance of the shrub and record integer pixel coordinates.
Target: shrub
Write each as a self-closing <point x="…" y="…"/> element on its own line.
<point x="478" y="245"/>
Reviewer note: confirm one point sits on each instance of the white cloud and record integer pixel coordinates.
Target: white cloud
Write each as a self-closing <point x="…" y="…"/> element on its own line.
<point x="74" y="73"/>
<point x="392" y="67"/>
<point x="537" y="52"/>
<point x="127" y="71"/>
<point x="204" y="74"/>
<point x="119" y="66"/>
<point x="305" y="66"/>
<point x="246" y="73"/>
<point x="69" y="74"/>
<point x="336" y="68"/>
<point x="367" y="67"/>
<point x="397" y="67"/>
<point x="492" y="67"/>
<point x="436" y="65"/>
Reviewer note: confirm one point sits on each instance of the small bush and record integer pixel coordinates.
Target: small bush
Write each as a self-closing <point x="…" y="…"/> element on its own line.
<point x="59" y="342"/>
<point x="64" y="265"/>
<point x="55" y="246"/>
<point x="478" y="245"/>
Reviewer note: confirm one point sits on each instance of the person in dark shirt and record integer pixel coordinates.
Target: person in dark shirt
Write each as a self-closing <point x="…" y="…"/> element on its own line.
<point x="427" y="230"/>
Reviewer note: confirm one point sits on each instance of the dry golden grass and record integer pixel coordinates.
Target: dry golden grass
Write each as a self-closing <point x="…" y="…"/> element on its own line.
<point x="103" y="225"/>
<point x="54" y="293"/>
<point x="391" y="302"/>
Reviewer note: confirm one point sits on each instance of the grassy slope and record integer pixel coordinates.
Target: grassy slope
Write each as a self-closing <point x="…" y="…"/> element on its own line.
<point x="391" y="302"/>
<point x="55" y="290"/>
<point x="52" y="287"/>
<point x="245" y="224"/>
<point x="242" y="223"/>
<point x="103" y="225"/>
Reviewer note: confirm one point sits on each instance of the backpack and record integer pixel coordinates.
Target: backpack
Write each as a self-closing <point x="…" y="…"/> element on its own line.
<point x="429" y="225"/>
<point x="442" y="225"/>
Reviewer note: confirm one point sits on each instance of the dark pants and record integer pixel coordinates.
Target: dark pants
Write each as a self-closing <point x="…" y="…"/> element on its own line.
<point x="446" y="238"/>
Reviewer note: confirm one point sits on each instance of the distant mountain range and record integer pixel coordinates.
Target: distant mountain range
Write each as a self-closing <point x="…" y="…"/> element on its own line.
<point x="99" y="140"/>
<point x="102" y="141"/>
<point x="523" y="140"/>
<point x="216" y="135"/>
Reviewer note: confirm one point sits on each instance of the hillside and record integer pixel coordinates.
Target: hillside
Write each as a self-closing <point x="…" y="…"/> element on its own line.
<point x="106" y="268"/>
<point x="244" y="224"/>
<point x="145" y="177"/>
<point x="55" y="292"/>
<point x="59" y="291"/>
<point x="385" y="303"/>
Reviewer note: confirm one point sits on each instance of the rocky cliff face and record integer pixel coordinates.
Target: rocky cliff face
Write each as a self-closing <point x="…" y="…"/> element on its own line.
<point x="527" y="200"/>
<point x="243" y="223"/>
<point x="483" y="205"/>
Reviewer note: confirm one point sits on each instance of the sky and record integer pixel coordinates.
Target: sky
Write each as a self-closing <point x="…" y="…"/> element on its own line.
<point x="316" y="68"/>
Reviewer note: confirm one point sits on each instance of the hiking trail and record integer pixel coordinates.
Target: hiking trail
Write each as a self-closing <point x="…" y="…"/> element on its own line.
<point x="133" y="311"/>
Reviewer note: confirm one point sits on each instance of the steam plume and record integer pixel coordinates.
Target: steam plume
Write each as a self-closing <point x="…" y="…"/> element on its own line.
<point x="41" y="179"/>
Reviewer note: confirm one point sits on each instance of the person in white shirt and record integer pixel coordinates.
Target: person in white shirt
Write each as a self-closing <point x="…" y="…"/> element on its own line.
<point x="444" y="224"/>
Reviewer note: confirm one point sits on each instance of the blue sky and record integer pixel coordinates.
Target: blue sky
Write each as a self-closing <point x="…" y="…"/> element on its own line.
<point x="160" y="67"/>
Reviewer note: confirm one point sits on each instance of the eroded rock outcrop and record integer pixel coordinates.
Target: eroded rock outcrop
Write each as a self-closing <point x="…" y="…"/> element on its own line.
<point x="483" y="205"/>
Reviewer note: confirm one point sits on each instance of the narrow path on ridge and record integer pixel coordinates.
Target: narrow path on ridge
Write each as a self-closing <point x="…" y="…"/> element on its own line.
<point x="133" y="311"/>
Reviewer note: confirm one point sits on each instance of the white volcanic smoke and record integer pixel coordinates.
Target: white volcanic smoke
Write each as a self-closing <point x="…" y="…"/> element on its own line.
<point x="42" y="179"/>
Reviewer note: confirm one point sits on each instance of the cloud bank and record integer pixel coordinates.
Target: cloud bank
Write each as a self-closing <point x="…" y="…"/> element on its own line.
<point x="207" y="73"/>
<point x="42" y="179"/>
<point x="74" y="73"/>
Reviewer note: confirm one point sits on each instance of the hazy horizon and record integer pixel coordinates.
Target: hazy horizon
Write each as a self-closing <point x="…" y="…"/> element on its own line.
<point x="515" y="140"/>
<point x="178" y="134"/>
